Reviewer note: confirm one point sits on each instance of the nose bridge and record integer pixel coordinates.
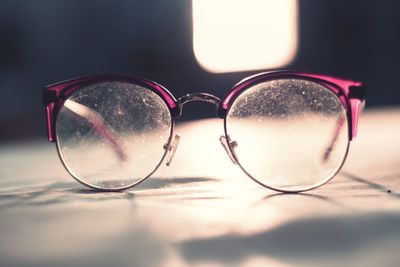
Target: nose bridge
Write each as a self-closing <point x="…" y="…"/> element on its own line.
<point x="200" y="97"/>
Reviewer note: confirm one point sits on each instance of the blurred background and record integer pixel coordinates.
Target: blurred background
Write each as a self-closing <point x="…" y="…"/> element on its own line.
<point x="182" y="45"/>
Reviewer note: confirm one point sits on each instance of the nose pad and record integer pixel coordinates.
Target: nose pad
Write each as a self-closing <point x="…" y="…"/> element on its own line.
<point x="171" y="149"/>
<point x="229" y="147"/>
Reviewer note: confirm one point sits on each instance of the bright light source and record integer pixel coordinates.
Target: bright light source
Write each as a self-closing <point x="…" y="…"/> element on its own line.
<point x="239" y="35"/>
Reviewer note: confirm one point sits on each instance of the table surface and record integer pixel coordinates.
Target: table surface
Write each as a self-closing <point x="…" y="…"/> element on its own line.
<point x="203" y="211"/>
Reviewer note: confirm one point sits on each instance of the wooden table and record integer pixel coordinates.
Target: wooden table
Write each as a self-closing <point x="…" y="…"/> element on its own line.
<point x="203" y="211"/>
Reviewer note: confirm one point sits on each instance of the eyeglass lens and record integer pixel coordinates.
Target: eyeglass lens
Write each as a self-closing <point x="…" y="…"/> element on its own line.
<point x="113" y="134"/>
<point x="289" y="134"/>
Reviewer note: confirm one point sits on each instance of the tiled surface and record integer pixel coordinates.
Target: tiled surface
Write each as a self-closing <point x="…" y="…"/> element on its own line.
<point x="202" y="211"/>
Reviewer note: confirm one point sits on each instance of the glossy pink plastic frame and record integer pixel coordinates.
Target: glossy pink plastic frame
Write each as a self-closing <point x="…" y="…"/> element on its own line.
<point x="351" y="94"/>
<point x="54" y="95"/>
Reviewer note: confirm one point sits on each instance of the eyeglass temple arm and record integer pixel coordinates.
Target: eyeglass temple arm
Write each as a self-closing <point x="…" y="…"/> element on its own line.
<point x="98" y="124"/>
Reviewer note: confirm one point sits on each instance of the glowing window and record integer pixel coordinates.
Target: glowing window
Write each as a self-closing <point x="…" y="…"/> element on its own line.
<point x="239" y="35"/>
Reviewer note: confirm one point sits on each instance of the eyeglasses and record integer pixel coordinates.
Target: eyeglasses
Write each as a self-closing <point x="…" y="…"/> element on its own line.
<point x="288" y="131"/>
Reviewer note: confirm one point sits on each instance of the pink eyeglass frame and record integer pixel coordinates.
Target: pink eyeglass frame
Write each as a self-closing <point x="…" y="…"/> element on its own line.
<point x="350" y="93"/>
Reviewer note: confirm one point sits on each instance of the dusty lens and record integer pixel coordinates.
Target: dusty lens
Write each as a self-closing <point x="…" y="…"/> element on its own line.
<point x="111" y="135"/>
<point x="291" y="134"/>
